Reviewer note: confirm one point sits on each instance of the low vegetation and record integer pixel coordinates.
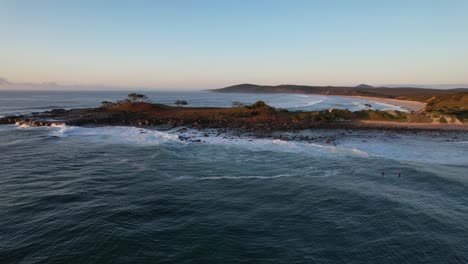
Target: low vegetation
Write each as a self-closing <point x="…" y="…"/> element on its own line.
<point x="453" y="104"/>
<point x="261" y="114"/>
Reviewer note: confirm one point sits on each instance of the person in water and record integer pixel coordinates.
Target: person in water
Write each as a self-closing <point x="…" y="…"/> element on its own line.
<point x="383" y="173"/>
<point x="399" y="174"/>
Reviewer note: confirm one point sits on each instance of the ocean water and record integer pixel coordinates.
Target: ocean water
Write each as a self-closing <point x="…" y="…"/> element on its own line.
<point x="20" y="102"/>
<point x="136" y="195"/>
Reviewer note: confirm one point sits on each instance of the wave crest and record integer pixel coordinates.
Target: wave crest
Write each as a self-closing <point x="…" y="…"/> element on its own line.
<point x="116" y="134"/>
<point x="142" y="136"/>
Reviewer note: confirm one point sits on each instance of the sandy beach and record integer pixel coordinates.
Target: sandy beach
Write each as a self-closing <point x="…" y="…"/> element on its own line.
<point x="405" y="104"/>
<point x="393" y="124"/>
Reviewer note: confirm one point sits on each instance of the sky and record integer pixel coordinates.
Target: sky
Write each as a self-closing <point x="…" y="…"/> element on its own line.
<point x="210" y="44"/>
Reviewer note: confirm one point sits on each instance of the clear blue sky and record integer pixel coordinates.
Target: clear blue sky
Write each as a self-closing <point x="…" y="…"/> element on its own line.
<point x="197" y="44"/>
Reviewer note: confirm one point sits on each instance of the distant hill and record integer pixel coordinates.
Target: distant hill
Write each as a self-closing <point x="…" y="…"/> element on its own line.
<point x="364" y="86"/>
<point x="4" y="81"/>
<point x="403" y="93"/>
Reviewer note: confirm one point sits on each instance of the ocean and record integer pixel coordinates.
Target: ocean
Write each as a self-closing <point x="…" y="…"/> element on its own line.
<point x="139" y="195"/>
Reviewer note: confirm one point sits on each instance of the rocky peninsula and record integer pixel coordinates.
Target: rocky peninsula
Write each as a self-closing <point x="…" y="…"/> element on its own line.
<point x="260" y="117"/>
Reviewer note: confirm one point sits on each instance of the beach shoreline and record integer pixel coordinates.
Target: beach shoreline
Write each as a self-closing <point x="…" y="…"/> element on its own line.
<point x="408" y="105"/>
<point x="412" y="125"/>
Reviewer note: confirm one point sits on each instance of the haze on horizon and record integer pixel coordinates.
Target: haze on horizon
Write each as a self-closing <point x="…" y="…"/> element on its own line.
<point x="211" y="44"/>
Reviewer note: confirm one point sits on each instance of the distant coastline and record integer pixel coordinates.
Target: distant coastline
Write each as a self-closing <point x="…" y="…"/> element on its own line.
<point x="439" y="104"/>
<point x="402" y="93"/>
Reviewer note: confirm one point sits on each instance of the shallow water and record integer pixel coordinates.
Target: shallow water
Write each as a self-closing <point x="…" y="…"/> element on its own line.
<point x="134" y="195"/>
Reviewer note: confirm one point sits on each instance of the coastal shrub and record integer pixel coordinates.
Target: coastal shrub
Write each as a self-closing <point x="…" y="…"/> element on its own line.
<point x="124" y="101"/>
<point x="263" y="107"/>
<point x="134" y="97"/>
<point x="419" y="118"/>
<point x="258" y="104"/>
<point x="334" y="115"/>
<point x="379" y="115"/>
<point x="462" y="115"/>
<point x="106" y="104"/>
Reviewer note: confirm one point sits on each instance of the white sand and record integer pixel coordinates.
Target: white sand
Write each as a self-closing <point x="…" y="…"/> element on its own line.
<point x="405" y="104"/>
<point x="373" y="123"/>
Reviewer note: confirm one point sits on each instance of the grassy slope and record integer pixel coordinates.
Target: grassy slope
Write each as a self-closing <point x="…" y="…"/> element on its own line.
<point x="404" y="93"/>
<point x="452" y="102"/>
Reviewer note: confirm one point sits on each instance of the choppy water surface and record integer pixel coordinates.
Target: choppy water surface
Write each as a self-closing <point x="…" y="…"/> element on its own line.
<point x="134" y="195"/>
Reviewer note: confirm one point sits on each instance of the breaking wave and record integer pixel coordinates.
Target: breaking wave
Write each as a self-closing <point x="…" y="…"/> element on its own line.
<point x="277" y="145"/>
<point x="19" y="125"/>
<point x="115" y="134"/>
<point x="244" y="177"/>
<point x="142" y="136"/>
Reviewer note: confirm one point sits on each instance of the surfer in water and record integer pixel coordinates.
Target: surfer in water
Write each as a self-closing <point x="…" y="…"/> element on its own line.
<point x="383" y="173"/>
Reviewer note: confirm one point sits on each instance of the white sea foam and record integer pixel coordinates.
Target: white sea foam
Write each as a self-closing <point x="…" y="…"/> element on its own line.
<point x="399" y="147"/>
<point x="361" y="105"/>
<point x="276" y="145"/>
<point x="141" y="136"/>
<point x="61" y="125"/>
<point x="322" y="174"/>
<point x="115" y="134"/>
<point x="244" y="177"/>
<point x="313" y="102"/>
<point x="19" y="125"/>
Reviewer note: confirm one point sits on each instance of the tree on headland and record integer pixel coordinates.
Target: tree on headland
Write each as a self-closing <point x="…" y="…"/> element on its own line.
<point x="134" y="97"/>
<point x="237" y="104"/>
<point x="180" y="102"/>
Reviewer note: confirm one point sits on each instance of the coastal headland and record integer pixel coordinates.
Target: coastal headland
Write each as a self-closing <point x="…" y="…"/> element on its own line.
<point x="442" y="112"/>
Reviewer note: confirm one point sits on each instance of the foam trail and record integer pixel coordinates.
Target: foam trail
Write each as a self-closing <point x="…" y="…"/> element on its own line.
<point x="115" y="134"/>
<point x="61" y="125"/>
<point x="19" y="125"/>
<point x="243" y="177"/>
<point x="141" y="136"/>
<point x="275" y="145"/>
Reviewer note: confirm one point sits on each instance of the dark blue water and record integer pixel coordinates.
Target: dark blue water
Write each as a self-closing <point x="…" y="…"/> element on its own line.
<point x="131" y="195"/>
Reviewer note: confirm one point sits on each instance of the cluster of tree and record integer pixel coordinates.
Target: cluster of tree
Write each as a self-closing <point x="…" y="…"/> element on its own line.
<point x="133" y="97"/>
<point x="180" y="102"/>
